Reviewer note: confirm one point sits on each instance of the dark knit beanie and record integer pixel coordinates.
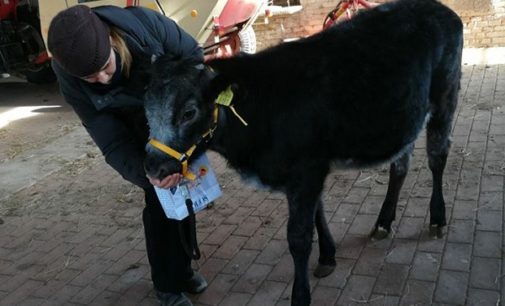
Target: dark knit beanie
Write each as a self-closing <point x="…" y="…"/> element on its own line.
<point x="79" y="41"/>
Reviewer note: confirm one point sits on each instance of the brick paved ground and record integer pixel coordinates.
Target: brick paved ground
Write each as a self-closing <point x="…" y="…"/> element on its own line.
<point x="75" y="237"/>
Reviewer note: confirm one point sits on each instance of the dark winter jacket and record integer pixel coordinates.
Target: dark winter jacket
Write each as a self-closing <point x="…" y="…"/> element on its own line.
<point x="115" y="119"/>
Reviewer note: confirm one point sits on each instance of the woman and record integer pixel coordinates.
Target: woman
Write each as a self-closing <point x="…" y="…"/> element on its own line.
<point x="96" y="57"/>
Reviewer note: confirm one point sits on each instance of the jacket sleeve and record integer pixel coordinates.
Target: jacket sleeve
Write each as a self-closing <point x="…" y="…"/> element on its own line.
<point x="173" y="38"/>
<point x="107" y="131"/>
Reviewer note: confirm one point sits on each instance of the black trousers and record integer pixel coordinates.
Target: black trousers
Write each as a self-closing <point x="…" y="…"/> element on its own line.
<point x="170" y="265"/>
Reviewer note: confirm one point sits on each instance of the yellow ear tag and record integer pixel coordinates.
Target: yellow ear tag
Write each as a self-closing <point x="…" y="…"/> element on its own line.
<point x="225" y="98"/>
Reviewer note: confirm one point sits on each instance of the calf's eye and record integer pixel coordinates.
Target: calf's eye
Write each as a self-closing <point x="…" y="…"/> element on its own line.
<point x="188" y="115"/>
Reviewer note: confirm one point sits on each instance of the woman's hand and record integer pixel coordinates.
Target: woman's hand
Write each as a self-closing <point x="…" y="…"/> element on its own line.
<point x="168" y="182"/>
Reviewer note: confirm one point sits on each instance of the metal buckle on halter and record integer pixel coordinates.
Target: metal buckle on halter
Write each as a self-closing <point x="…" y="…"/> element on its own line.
<point x="183" y="157"/>
<point x="209" y="136"/>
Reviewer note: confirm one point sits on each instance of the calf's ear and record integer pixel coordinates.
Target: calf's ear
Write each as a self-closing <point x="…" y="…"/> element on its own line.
<point x="216" y="85"/>
<point x="139" y="76"/>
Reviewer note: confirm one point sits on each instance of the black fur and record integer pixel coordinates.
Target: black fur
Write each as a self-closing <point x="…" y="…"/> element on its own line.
<point x="355" y="95"/>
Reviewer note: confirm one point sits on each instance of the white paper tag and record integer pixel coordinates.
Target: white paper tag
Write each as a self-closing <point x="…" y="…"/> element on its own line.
<point x="203" y="190"/>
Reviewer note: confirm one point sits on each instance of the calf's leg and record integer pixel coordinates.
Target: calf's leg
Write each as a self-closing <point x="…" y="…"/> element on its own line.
<point x="437" y="158"/>
<point x="443" y="99"/>
<point x="303" y="196"/>
<point x="438" y="145"/>
<point x="397" y="173"/>
<point x="327" y="250"/>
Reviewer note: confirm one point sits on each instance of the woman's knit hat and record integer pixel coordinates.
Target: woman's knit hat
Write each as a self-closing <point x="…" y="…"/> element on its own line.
<point x="79" y="41"/>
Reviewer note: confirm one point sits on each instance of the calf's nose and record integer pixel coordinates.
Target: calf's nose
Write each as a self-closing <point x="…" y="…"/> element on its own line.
<point x="160" y="169"/>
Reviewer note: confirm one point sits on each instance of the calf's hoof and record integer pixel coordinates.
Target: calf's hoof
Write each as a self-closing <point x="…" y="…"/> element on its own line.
<point x="299" y="301"/>
<point x="379" y="233"/>
<point x="436" y="231"/>
<point x="324" y="270"/>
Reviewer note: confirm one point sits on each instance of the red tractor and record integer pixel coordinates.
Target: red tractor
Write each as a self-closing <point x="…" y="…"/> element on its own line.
<point x="222" y="27"/>
<point x="22" y="49"/>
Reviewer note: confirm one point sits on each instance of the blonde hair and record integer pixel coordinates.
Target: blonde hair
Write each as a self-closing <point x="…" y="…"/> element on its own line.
<point x="119" y="45"/>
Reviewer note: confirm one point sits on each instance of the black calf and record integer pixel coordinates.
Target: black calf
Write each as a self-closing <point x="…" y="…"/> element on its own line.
<point x="355" y="95"/>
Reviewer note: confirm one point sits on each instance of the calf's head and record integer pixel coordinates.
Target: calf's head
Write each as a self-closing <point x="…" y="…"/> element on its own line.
<point x="178" y="112"/>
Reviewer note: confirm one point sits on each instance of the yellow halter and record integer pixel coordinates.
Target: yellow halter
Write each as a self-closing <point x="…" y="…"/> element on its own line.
<point x="224" y="99"/>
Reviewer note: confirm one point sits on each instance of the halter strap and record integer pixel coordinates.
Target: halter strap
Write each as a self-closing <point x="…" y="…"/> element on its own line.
<point x="182" y="158"/>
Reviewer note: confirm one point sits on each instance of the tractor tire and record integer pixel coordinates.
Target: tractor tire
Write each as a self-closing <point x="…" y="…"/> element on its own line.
<point x="42" y="75"/>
